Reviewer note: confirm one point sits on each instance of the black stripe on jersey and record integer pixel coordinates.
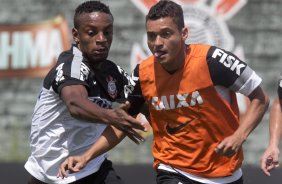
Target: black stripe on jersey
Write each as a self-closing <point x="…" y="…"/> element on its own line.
<point x="224" y="67"/>
<point x="134" y="93"/>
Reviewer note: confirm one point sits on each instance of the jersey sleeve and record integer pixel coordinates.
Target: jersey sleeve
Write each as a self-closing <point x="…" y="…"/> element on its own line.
<point x="133" y="93"/>
<point x="70" y="70"/>
<point x="229" y="71"/>
<point x="279" y="91"/>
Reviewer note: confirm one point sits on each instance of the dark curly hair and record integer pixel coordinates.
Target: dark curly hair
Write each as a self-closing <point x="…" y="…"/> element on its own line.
<point x="166" y="8"/>
<point x="89" y="7"/>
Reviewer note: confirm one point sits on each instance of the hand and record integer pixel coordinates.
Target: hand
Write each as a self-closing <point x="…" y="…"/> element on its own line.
<point x="72" y="164"/>
<point x="270" y="159"/>
<point x="230" y="145"/>
<point x="126" y="123"/>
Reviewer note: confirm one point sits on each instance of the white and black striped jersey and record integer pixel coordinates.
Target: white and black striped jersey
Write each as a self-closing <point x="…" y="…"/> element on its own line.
<point x="55" y="134"/>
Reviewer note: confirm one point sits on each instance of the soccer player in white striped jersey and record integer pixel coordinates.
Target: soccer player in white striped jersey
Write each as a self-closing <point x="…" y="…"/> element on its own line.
<point x="74" y="107"/>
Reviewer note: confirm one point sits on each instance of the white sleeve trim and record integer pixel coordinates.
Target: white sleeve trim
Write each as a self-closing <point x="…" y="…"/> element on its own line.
<point x="251" y="84"/>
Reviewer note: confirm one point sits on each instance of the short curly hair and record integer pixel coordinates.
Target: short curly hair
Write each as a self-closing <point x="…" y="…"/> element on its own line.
<point x="166" y="8"/>
<point x="89" y="7"/>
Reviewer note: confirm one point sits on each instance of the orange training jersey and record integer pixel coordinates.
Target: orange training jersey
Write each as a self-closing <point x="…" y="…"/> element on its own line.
<point x="189" y="114"/>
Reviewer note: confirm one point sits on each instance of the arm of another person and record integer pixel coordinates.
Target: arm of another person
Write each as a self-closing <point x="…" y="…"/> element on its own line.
<point x="109" y="138"/>
<point x="79" y="106"/>
<point x="270" y="158"/>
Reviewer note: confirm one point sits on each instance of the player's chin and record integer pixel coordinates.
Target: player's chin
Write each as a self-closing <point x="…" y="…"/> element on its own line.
<point x="161" y="60"/>
<point x="99" y="57"/>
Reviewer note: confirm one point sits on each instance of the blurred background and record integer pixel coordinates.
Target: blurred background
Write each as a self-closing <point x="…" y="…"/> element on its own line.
<point x="34" y="32"/>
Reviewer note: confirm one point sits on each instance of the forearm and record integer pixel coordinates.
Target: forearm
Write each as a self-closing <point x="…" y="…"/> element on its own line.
<point x="256" y="109"/>
<point x="87" y="110"/>
<point x="275" y="123"/>
<point x="109" y="139"/>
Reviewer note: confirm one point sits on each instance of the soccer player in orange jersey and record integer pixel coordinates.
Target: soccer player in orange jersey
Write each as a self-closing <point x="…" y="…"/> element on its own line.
<point x="190" y="90"/>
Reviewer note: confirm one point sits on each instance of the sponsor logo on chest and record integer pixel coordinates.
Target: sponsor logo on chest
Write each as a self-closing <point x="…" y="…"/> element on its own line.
<point x="176" y="101"/>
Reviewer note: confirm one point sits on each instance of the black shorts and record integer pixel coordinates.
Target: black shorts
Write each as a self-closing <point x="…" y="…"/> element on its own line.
<point x="166" y="177"/>
<point x="105" y="175"/>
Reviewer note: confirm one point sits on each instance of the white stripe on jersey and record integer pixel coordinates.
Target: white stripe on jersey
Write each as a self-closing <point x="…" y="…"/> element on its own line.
<point x="75" y="67"/>
<point x="251" y="84"/>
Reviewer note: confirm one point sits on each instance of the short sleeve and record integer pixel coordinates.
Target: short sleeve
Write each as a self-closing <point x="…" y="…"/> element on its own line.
<point x="70" y="70"/>
<point x="229" y="71"/>
<point x="133" y="93"/>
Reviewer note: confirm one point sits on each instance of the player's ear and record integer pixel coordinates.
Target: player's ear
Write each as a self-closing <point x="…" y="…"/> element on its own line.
<point x="75" y="35"/>
<point x="184" y="33"/>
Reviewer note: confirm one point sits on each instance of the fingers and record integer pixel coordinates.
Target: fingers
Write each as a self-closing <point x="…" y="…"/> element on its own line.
<point x="121" y="118"/>
<point x="134" y="123"/>
<point x="63" y="169"/>
<point x="70" y="165"/>
<point x="269" y="164"/>
<point x="136" y="141"/>
<point x="78" y="166"/>
<point x="226" y="149"/>
<point x="125" y="106"/>
<point x="275" y="160"/>
<point x="134" y="136"/>
<point x="270" y="159"/>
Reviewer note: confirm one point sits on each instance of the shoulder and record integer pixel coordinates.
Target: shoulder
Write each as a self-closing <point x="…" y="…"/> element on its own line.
<point x="68" y="57"/>
<point x="148" y="62"/>
<point x="109" y="66"/>
<point x="199" y="50"/>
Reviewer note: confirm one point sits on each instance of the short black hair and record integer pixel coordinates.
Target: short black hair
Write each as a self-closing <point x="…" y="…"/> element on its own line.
<point x="89" y="7"/>
<point x="166" y="8"/>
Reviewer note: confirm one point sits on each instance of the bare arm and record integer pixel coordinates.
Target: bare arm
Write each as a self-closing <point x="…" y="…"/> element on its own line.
<point x="270" y="158"/>
<point x="275" y="122"/>
<point x="79" y="106"/>
<point x="109" y="138"/>
<point x="258" y="105"/>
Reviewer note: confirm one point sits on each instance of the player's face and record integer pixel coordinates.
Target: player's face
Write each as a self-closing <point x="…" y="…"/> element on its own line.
<point x="166" y="42"/>
<point x="94" y="35"/>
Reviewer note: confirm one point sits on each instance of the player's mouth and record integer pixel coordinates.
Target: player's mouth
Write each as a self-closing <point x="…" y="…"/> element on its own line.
<point x="101" y="51"/>
<point x="159" y="54"/>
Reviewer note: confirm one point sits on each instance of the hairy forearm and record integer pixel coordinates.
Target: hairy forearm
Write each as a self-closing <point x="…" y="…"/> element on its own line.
<point x="85" y="109"/>
<point x="256" y="109"/>
<point x="76" y="99"/>
<point x="275" y="123"/>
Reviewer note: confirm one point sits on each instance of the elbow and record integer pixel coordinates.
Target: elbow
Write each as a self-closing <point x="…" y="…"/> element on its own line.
<point x="260" y="98"/>
<point x="265" y="102"/>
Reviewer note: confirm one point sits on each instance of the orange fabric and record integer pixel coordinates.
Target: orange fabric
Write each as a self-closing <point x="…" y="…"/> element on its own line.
<point x="189" y="95"/>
